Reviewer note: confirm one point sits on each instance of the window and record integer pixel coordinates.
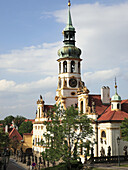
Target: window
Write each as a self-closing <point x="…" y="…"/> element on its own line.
<point x="103" y="134"/>
<point x="112" y="106"/>
<point x="81" y="148"/>
<point x="35" y="127"/>
<point x="66" y="36"/>
<point x="72" y="66"/>
<point x="81" y="106"/>
<point x="59" y="67"/>
<point x="39" y="111"/>
<point x="118" y="106"/>
<point x="78" y="67"/>
<point x="65" y="66"/>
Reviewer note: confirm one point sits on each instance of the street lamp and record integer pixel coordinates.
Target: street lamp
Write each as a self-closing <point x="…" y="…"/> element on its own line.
<point x="118" y="142"/>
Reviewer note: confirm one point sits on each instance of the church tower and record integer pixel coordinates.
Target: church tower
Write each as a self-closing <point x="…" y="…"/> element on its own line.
<point x="69" y="77"/>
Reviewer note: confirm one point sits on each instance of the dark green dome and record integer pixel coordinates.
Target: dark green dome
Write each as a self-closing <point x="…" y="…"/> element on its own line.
<point x="69" y="51"/>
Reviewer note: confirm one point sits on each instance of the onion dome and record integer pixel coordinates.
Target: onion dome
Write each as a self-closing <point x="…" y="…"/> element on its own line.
<point x="69" y="51"/>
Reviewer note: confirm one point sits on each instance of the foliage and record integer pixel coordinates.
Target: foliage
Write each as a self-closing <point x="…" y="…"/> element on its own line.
<point x="25" y="127"/>
<point x="66" y="129"/>
<point x="8" y="120"/>
<point x="4" y="139"/>
<point x="124" y="129"/>
<point x="75" y="165"/>
<point x="18" y="120"/>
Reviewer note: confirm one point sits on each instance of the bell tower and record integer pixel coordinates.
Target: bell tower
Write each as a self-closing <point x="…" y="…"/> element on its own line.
<point x="69" y="77"/>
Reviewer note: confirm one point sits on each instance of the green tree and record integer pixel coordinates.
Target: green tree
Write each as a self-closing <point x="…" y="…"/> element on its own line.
<point x="4" y="139"/>
<point x="25" y="127"/>
<point x="8" y="120"/>
<point x="66" y="129"/>
<point x="18" y="120"/>
<point x="124" y="129"/>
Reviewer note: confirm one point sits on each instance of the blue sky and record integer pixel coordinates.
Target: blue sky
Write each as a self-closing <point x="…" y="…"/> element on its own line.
<point x="31" y="34"/>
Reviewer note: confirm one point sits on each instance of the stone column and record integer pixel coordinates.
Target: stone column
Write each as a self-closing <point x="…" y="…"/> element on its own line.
<point x="68" y="66"/>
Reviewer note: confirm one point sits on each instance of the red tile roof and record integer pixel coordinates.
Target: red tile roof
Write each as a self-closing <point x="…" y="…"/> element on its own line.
<point x="14" y="134"/>
<point x="110" y="115"/>
<point x="29" y="120"/>
<point x="99" y="107"/>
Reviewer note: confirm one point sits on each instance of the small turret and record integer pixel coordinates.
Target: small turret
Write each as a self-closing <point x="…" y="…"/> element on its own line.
<point x="116" y="100"/>
<point x="40" y="107"/>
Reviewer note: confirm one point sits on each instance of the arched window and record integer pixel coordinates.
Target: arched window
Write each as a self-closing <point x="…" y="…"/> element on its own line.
<point x="65" y="66"/>
<point x="39" y="112"/>
<point x="81" y="106"/>
<point x="66" y="36"/>
<point x="118" y="106"/>
<point x="78" y="67"/>
<point x="72" y="66"/>
<point x="59" y="67"/>
<point x="103" y="134"/>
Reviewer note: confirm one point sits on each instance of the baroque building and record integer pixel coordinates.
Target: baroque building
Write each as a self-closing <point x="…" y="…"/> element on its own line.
<point x="106" y="113"/>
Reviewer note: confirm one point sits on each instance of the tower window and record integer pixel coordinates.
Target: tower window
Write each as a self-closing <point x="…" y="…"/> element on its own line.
<point x="66" y="36"/>
<point x="103" y="134"/>
<point x="72" y="66"/>
<point x="112" y="106"/>
<point x="59" y="67"/>
<point x="78" y="67"/>
<point x="65" y="66"/>
<point x="118" y="106"/>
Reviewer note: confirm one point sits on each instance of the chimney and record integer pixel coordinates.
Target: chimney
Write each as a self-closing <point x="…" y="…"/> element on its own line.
<point x="105" y="95"/>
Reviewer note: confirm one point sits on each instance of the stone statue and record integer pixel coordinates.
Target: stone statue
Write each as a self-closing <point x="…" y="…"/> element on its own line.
<point x="109" y="151"/>
<point x="93" y="106"/>
<point x="125" y="150"/>
<point x="40" y="97"/>
<point x="102" y="151"/>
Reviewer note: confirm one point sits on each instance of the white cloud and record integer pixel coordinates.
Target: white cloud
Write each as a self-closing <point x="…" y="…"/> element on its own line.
<point x="102" y="75"/>
<point x="46" y="84"/>
<point x="34" y="59"/>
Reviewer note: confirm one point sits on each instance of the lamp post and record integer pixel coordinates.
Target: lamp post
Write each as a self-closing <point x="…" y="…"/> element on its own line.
<point x="118" y="142"/>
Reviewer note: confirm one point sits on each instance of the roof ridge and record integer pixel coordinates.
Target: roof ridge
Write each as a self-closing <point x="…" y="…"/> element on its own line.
<point x="103" y="112"/>
<point x="11" y="131"/>
<point x="113" y="114"/>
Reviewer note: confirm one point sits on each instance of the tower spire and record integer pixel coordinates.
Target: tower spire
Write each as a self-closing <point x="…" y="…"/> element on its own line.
<point x="115" y="86"/>
<point x="69" y="26"/>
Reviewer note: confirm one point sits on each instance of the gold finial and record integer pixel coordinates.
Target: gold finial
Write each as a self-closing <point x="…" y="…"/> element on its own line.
<point x="69" y="3"/>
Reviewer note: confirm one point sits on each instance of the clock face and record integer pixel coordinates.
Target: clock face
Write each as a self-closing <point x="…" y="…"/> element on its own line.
<point x="73" y="82"/>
